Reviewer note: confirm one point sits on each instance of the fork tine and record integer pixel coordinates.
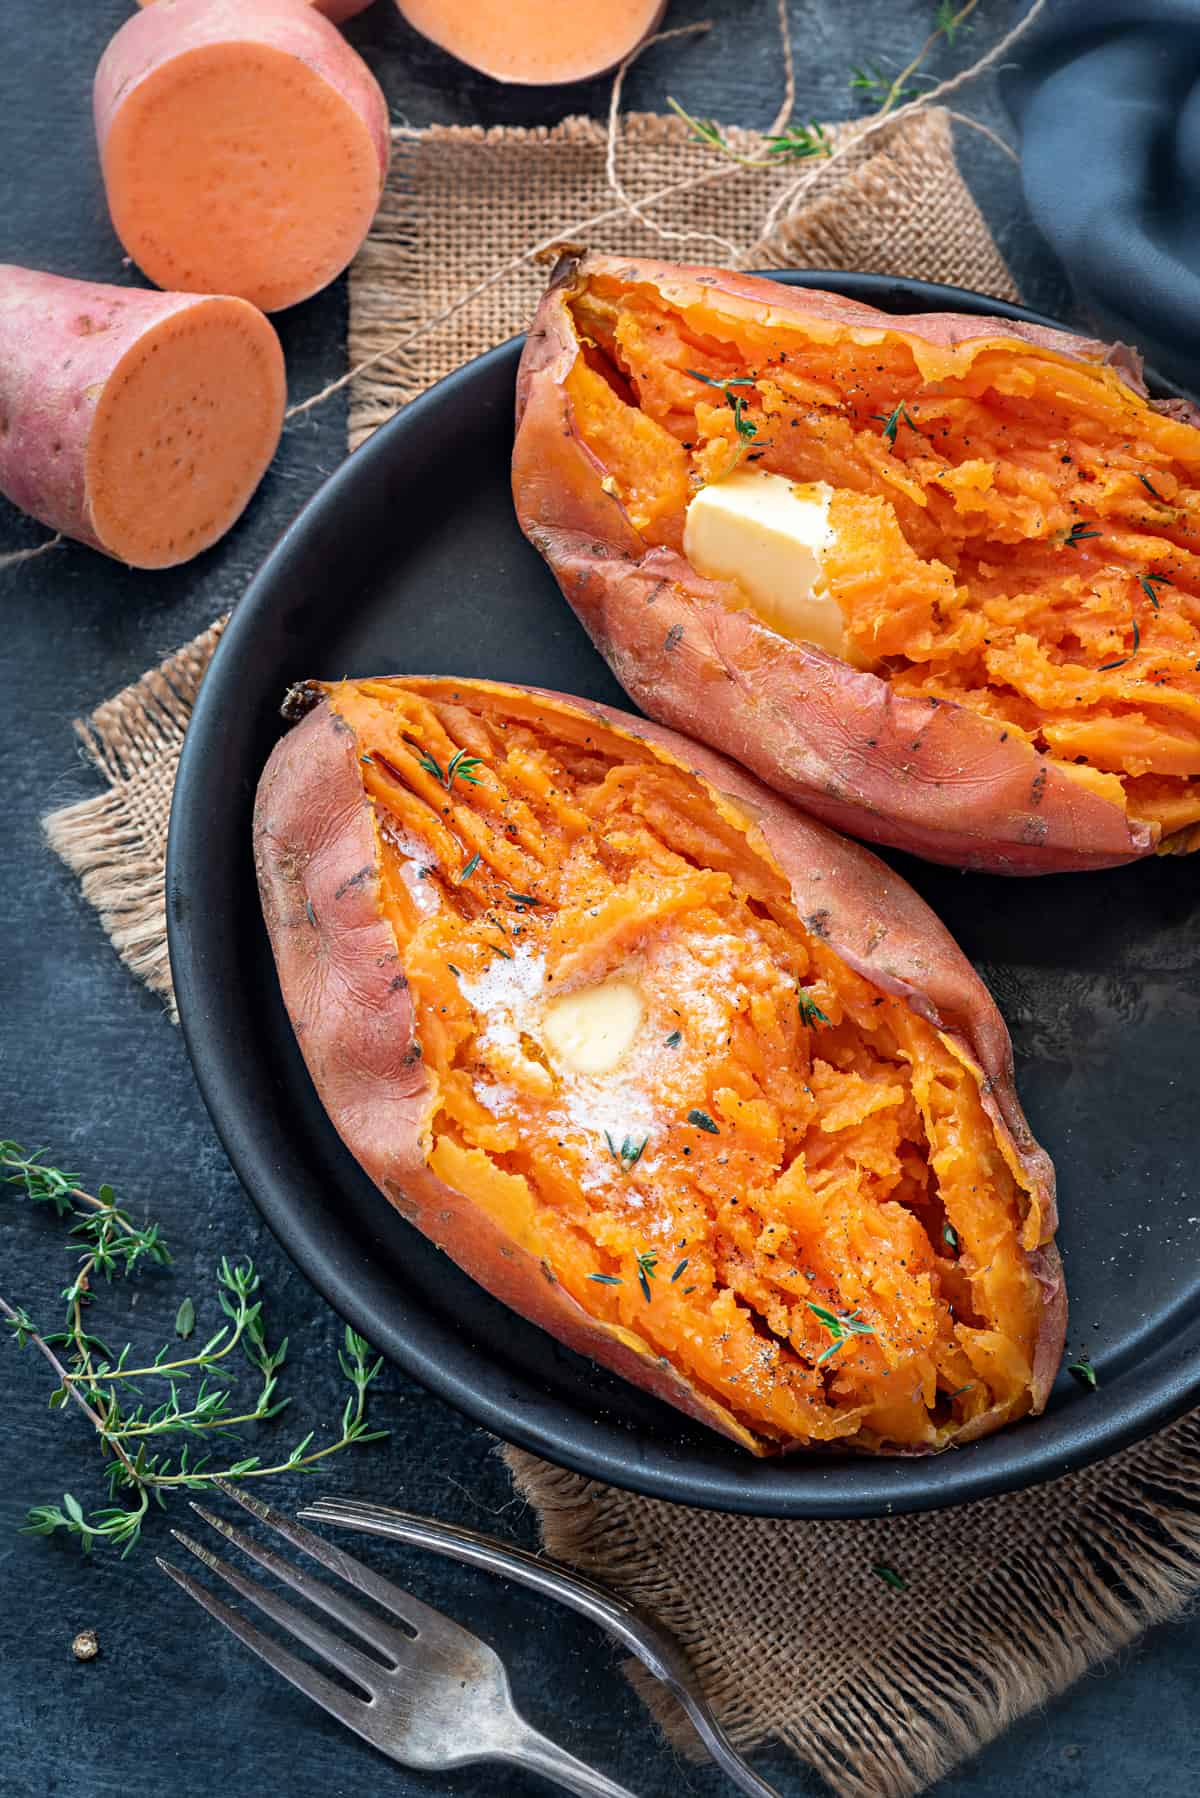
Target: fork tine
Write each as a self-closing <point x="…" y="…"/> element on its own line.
<point x="341" y="1655"/>
<point x="420" y="1617"/>
<point x="335" y="1699"/>
<point x="391" y="1642"/>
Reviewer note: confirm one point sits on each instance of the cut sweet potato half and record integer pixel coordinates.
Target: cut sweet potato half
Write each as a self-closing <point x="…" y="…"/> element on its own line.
<point x="680" y="1075"/>
<point x="535" y="43"/>
<point x="244" y="146"/>
<point x="1011" y="556"/>
<point x="139" y="423"/>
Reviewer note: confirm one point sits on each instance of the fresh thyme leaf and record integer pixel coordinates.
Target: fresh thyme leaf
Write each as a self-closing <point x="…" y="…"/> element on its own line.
<point x="958" y="1392"/>
<point x="1106" y="667"/>
<point x="1152" y="490"/>
<point x="628" y="1153"/>
<point x="950" y="1237"/>
<point x="1148" y="582"/>
<point x="810" y="1012"/>
<point x="1078" y="533"/>
<point x="678" y="1271"/>
<point x="673" y="1041"/>
<point x="703" y="130"/>
<point x="369" y="760"/>
<point x="462" y="767"/>
<point x="607" y="1279"/>
<point x="523" y="899"/>
<point x="139" y="1437"/>
<point x="702" y="1121"/>
<point x="947" y="20"/>
<point x="647" y="1261"/>
<point x="432" y="766"/>
<point x="868" y="78"/>
<point x="891" y="422"/>
<point x="1084" y="1372"/>
<point x="842" y="1325"/>
<point x="311" y="914"/>
<point x="800" y="141"/>
<point x="469" y="869"/>
<point x="724" y="386"/>
<point x="889" y="1576"/>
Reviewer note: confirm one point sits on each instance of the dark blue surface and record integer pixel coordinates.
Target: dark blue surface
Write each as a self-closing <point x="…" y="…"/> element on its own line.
<point x="89" y="1065"/>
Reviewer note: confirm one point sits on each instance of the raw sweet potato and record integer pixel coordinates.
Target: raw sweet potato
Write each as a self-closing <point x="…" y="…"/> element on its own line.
<point x="1012" y="564"/>
<point x="677" y="1073"/>
<point x="244" y="146"/>
<point x="337" y="11"/>
<point x="137" y="422"/>
<point x="533" y="43"/>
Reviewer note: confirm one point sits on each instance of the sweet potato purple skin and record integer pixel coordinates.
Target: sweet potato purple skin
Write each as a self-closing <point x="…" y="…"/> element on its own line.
<point x="344" y="988"/>
<point x="924" y="775"/>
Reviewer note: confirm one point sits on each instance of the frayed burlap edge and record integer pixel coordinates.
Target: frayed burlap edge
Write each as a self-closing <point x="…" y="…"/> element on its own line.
<point x="116" y="843"/>
<point x="1007" y="1603"/>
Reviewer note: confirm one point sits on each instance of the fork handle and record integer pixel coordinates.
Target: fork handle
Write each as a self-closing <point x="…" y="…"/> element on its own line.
<point x="539" y="1754"/>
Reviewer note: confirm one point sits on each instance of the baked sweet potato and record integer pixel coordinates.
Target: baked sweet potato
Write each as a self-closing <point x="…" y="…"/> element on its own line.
<point x="1007" y="590"/>
<point x="693" y="1083"/>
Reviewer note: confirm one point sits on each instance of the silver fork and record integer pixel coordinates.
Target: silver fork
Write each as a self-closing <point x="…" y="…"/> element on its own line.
<point x="654" y="1646"/>
<point x="437" y="1698"/>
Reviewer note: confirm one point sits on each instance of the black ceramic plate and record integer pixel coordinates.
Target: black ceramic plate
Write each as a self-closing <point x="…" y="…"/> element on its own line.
<point x="409" y="560"/>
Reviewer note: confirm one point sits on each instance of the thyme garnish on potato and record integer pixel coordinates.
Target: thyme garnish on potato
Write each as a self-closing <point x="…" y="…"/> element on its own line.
<point x="891" y="422"/>
<point x="1107" y="667"/>
<point x="842" y="1325"/>
<point x="629" y="1153"/>
<point x="647" y="1262"/>
<point x="97" y="1381"/>
<point x="745" y="427"/>
<point x="460" y="767"/>
<point x="810" y="1012"/>
<point x="1148" y="582"/>
<point x="1076" y="534"/>
<point x="702" y="1121"/>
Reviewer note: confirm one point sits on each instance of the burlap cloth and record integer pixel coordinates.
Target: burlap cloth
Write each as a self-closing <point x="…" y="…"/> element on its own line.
<point x="796" y="1638"/>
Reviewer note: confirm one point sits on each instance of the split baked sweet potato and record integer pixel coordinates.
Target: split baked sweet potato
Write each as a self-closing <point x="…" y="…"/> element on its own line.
<point x="988" y="653"/>
<point x="677" y="1073"/>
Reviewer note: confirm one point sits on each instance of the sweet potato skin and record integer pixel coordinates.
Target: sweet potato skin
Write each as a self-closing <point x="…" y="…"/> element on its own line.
<point x="933" y="778"/>
<point x="60" y="340"/>
<point x="315" y="854"/>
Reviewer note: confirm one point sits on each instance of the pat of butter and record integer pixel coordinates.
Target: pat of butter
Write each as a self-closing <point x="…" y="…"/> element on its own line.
<point x="769" y="535"/>
<point x="590" y="1032"/>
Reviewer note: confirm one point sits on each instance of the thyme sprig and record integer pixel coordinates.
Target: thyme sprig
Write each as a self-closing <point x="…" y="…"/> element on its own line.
<point x="948" y="19"/>
<point x="628" y="1152"/>
<point x="460" y="767"/>
<point x="108" y="1387"/>
<point x="647" y="1262"/>
<point x="810" y="1012"/>
<point x="891" y="422"/>
<point x="745" y="427"/>
<point x="795" y="143"/>
<point x="1076" y="534"/>
<point x="842" y="1325"/>
<point x="1148" y="582"/>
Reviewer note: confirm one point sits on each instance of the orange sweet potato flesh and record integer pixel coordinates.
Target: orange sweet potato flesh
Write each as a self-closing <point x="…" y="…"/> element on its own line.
<point x="243" y="144"/>
<point x="532" y="43"/>
<point x="1017" y="558"/>
<point x="816" y="1119"/>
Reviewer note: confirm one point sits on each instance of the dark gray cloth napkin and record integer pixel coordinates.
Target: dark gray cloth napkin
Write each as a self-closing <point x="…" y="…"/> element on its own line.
<point x="1107" y="99"/>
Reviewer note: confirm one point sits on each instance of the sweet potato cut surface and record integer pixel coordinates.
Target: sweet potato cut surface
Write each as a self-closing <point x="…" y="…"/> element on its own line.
<point x="535" y="42"/>
<point x="1015" y="556"/>
<point x="139" y="423"/>
<point x="243" y="144"/>
<point x="338" y="11"/>
<point x="682" y="1076"/>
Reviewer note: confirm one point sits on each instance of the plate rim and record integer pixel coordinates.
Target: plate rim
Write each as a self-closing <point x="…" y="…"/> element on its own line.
<point x="1152" y="1395"/>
